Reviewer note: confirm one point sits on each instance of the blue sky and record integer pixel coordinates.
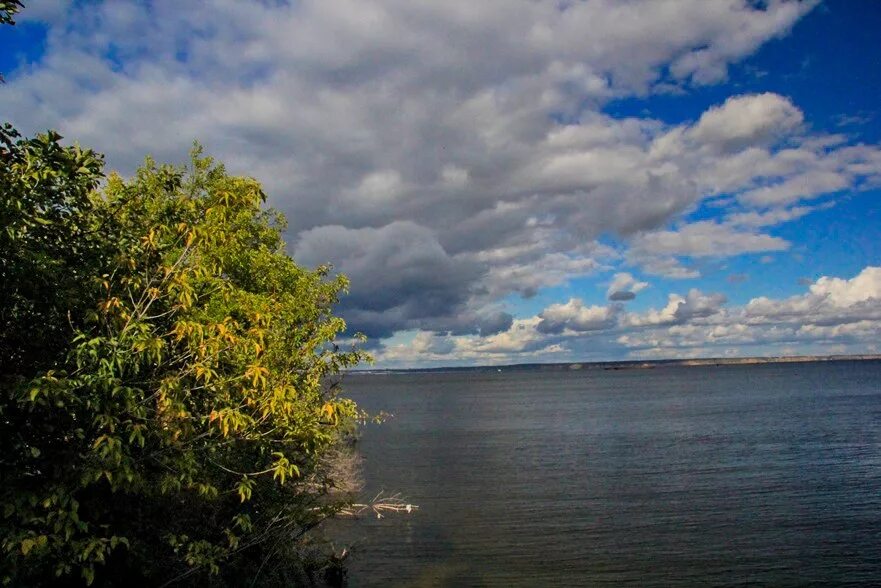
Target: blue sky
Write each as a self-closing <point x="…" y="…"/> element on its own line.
<point x="558" y="182"/>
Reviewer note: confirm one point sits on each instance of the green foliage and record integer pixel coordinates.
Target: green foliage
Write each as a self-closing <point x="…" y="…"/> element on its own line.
<point x="164" y="409"/>
<point x="46" y="248"/>
<point x="8" y="10"/>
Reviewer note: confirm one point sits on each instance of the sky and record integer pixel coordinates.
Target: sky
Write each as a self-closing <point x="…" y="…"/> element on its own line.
<point x="511" y="181"/>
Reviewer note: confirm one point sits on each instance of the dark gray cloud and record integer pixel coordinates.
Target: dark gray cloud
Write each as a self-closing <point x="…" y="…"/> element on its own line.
<point x="621" y="296"/>
<point x="404" y="277"/>
<point x="698" y="305"/>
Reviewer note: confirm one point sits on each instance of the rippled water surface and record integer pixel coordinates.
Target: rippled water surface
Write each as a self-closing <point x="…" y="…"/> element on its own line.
<point x="752" y="475"/>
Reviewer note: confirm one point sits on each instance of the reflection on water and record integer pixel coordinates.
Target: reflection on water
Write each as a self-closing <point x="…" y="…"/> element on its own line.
<point x="759" y="475"/>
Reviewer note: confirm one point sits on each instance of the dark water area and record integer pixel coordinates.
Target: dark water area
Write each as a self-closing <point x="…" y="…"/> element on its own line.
<point x="728" y="476"/>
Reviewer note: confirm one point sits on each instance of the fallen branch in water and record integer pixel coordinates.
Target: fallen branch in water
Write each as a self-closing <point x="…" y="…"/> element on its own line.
<point x="380" y="505"/>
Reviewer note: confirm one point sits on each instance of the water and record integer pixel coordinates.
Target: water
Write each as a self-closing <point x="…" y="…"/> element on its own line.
<point x="741" y="475"/>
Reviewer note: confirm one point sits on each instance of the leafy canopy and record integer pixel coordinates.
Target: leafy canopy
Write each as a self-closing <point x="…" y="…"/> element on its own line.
<point x="165" y="409"/>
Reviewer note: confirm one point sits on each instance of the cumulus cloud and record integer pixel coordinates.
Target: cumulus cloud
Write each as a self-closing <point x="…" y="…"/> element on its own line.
<point x="405" y="278"/>
<point x="425" y="347"/>
<point x="680" y="309"/>
<point x="624" y="287"/>
<point x="829" y="301"/>
<point x="526" y="275"/>
<point x="430" y="343"/>
<point x="575" y="316"/>
<point x="745" y="121"/>
<point x="522" y="336"/>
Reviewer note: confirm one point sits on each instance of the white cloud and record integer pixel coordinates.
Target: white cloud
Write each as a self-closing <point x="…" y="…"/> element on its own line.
<point x="801" y="187"/>
<point x="576" y="317"/>
<point x="775" y="216"/>
<point x="378" y="188"/>
<point x="521" y="336"/>
<point x="528" y="276"/>
<point x="829" y="301"/>
<point x="657" y="251"/>
<point x="705" y="239"/>
<point x="865" y="286"/>
<point x="679" y="309"/>
<point x="625" y="281"/>
<point x="747" y="121"/>
<point x="425" y="347"/>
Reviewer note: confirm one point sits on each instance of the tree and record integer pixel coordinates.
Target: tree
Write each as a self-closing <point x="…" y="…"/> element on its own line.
<point x="165" y="404"/>
<point x="48" y="251"/>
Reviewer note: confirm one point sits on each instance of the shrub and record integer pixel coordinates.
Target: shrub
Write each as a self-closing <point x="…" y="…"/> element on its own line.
<point x="164" y="412"/>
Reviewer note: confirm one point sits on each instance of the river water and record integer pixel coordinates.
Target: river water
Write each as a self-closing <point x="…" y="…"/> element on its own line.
<point x="739" y="475"/>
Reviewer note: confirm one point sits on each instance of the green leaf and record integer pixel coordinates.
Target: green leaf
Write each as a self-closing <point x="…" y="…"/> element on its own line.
<point x="27" y="545"/>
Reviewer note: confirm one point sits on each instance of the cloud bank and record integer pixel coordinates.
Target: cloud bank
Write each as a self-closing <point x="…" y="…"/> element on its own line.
<point x="843" y="315"/>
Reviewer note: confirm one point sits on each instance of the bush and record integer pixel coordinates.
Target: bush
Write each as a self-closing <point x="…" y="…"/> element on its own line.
<point x="164" y="409"/>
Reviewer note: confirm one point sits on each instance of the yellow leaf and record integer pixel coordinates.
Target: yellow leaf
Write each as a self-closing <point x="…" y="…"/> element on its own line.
<point x="26" y="546"/>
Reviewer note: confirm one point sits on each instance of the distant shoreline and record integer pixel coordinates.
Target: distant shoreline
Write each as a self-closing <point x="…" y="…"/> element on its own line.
<point x="631" y="364"/>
